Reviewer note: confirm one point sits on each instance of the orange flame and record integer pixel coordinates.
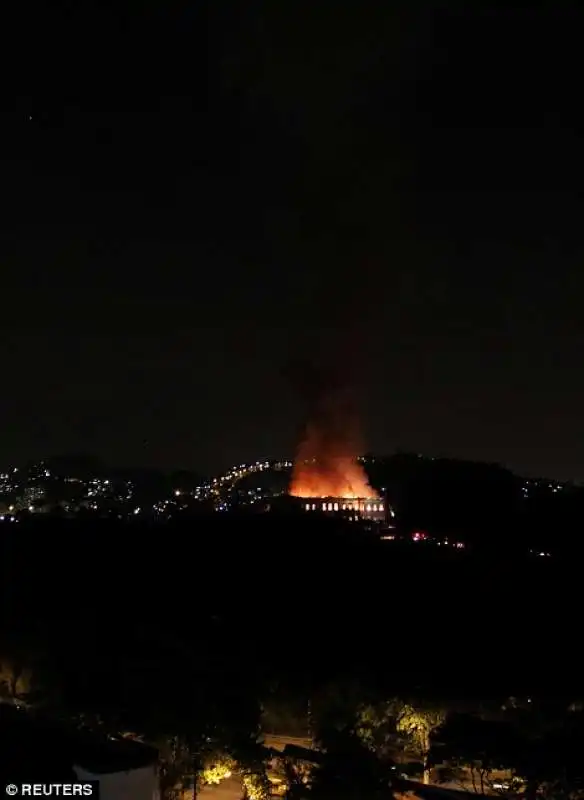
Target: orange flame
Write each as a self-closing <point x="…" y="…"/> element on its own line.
<point x="326" y="463"/>
<point x="340" y="477"/>
<point x="325" y="469"/>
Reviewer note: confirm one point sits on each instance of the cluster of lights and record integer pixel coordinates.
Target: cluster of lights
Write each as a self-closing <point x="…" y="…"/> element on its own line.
<point x="166" y="509"/>
<point x="9" y="481"/>
<point x="95" y="494"/>
<point x="422" y="536"/>
<point x="100" y="487"/>
<point x="29" y="488"/>
<point x="456" y="545"/>
<point x="345" y="507"/>
<point x="217" y="487"/>
<point x="531" y="486"/>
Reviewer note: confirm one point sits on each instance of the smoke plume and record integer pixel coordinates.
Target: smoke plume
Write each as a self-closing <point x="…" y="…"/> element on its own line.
<point x="326" y="461"/>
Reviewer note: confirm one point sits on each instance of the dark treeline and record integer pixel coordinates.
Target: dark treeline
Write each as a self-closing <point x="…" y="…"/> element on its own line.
<point x="480" y="503"/>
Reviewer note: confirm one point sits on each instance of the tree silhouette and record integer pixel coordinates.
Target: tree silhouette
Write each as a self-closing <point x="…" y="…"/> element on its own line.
<point x="350" y="770"/>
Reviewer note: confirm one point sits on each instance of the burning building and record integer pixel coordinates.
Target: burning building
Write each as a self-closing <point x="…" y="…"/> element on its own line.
<point x="327" y="474"/>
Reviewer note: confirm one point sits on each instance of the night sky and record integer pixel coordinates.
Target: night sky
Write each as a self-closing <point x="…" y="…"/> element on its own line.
<point x="194" y="197"/>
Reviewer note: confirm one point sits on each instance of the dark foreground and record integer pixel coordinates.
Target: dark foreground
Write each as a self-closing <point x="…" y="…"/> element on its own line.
<point x="302" y="603"/>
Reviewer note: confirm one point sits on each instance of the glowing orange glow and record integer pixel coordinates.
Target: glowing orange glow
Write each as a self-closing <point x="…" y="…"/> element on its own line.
<point x="335" y="477"/>
<point x="326" y="462"/>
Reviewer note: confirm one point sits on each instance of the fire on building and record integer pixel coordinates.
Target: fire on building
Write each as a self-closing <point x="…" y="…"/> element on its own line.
<point x="327" y="475"/>
<point x="336" y="486"/>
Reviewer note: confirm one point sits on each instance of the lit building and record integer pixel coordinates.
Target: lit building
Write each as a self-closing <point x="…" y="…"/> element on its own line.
<point x="366" y="508"/>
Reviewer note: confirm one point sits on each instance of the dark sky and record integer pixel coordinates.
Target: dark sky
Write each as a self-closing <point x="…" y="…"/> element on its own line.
<point x="193" y="196"/>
